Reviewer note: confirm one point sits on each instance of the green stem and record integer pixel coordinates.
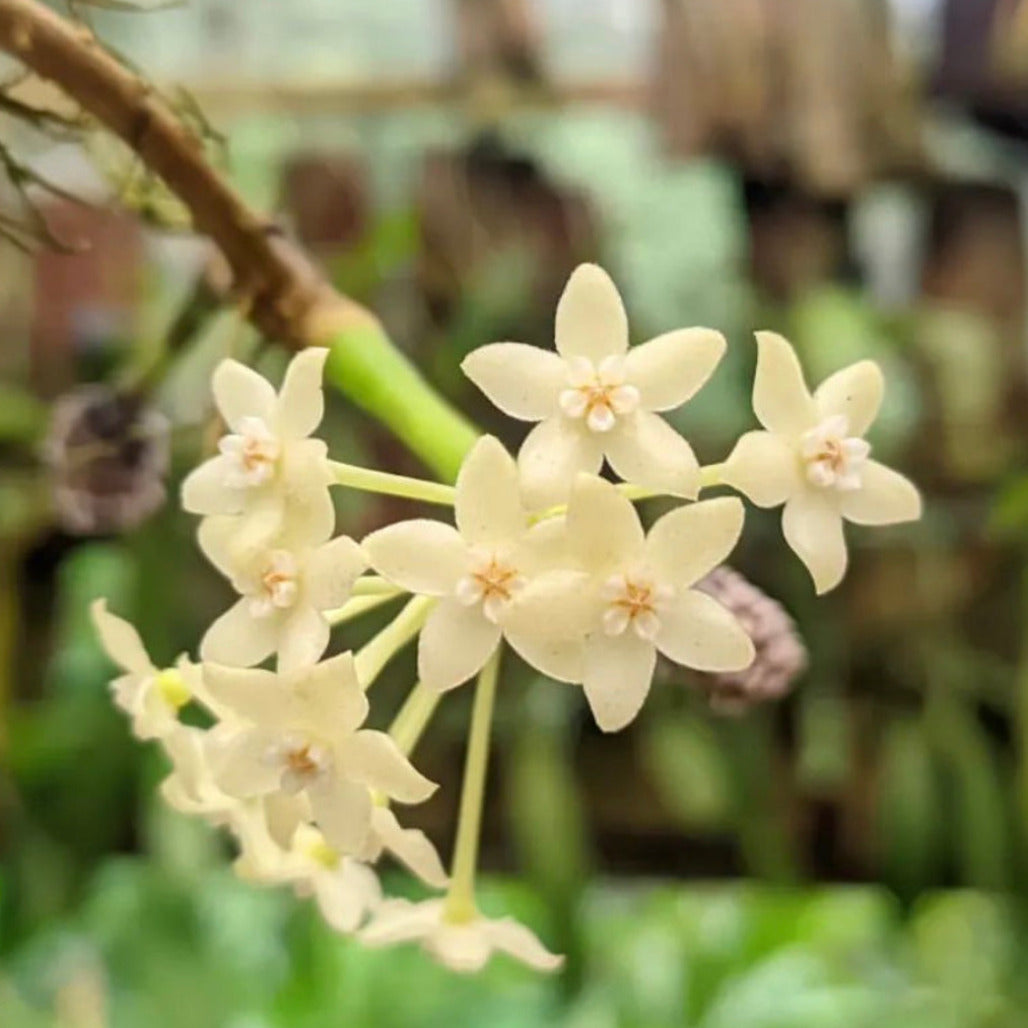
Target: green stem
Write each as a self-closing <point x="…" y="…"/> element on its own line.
<point x="413" y="717"/>
<point x="365" y="365"/>
<point x="374" y="656"/>
<point x="373" y="585"/>
<point x="370" y="481"/>
<point x="356" y="606"/>
<point x="460" y="900"/>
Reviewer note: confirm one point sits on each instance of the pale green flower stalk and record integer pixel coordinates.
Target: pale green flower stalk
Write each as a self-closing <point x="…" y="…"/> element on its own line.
<point x="460" y="900"/>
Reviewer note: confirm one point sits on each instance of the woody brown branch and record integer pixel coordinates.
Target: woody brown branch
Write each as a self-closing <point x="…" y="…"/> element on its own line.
<point x="288" y="298"/>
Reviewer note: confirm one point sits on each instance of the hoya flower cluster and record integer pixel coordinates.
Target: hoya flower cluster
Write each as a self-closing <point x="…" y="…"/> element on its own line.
<point x="542" y="555"/>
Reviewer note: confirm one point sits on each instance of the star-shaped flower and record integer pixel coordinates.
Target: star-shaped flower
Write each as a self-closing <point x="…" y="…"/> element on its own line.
<point x="346" y="890"/>
<point x="267" y="468"/>
<point x="151" y="697"/>
<point x="284" y="596"/>
<point x="595" y="398"/>
<point x="813" y="458"/>
<point x="633" y="596"/>
<point x="464" y="945"/>
<point x="301" y="735"/>
<point x="475" y="569"/>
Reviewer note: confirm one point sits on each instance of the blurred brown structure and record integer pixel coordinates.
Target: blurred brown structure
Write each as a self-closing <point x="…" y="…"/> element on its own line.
<point x="809" y="90"/>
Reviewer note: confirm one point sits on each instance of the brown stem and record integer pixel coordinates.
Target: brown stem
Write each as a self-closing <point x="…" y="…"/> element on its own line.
<point x="289" y="296"/>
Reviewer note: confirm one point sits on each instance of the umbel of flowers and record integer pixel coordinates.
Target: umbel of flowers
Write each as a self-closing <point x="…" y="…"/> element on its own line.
<point x="541" y="555"/>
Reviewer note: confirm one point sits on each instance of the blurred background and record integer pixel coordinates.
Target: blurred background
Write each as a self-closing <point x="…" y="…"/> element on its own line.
<point x="852" y="173"/>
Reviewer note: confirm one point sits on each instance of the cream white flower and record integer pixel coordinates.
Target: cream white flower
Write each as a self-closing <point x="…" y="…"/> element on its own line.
<point x="410" y="846"/>
<point x="191" y="787"/>
<point x="267" y="468"/>
<point x="813" y="458"/>
<point x="302" y="735"/>
<point x="632" y="596"/>
<point x="284" y="596"/>
<point x="151" y="697"/>
<point x="345" y="890"/>
<point x="595" y="398"/>
<point x="475" y="569"/>
<point x="465" y="945"/>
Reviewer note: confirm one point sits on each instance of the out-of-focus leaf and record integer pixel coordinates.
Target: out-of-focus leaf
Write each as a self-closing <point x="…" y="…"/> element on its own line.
<point x="688" y="768"/>
<point x="23" y="416"/>
<point x="825" y="760"/>
<point x="1008" y="520"/>
<point x="981" y="828"/>
<point x="910" y="816"/>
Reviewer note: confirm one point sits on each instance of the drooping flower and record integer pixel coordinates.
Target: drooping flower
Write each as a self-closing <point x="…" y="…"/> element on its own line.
<point x="191" y="786"/>
<point x="410" y="846"/>
<point x="344" y="889"/>
<point x="150" y="696"/>
<point x="284" y="596"/>
<point x="301" y="734"/>
<point x="595" y="398"/>
<point x="462" y="945"/>
<point x="475" y="569"/>
<point x="267" y="468"/>
<point x="813" y="458"/>
<point x="632" y="596"/>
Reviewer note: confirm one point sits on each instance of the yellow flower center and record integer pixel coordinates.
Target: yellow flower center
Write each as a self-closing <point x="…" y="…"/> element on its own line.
<point x="173" y="689"/>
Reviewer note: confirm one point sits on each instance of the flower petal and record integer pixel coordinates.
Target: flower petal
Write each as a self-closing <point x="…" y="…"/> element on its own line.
<point x="781" y="400"/>
<point x="561" y="659"/>
<point x="885" y="497"/>
<point x="240" y="392"/>
<point x="523" y="381"/>
<point x="670" y="369"/>
<point x="239" y="639"/>
<point x="308" y="517"/>
<point x="645" y="450"/>
<point x="400" y="920"/>
<point x="330" y="694"/>
<point x="301" y="400"/>
<point x="330" y="571"/>
<point x="120" y="641"/>
<point x="455" y="644"/>
<point x="374" y="760"/>
<point x="463" y="947"/>
<point x="557" y="605"/>
<point x="552" y="454"/>
<point x="764" y="467"/>
<point x="218" y="537"/>
<point x="423" y="556"/>
<point x="618" y="672"/>
<point x="604" y="531"/>
<point x="204" y="490"/>
<point x="488" y="503"/>
<point x="302" y="639"/>
<point x="243" y="771"/>
<point x="511" y="937"/>
<point x="342" y="810"/>
<point x="255" y="694"/>
<point x="812" y="526"/>
<point x="410" y="846"/>
<point x="691" y="540"/>
<point x="697" y="632"/>
<point x="345" y="896"/>
<point x="591" y="319"/>
<point x="855" y="393"/>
